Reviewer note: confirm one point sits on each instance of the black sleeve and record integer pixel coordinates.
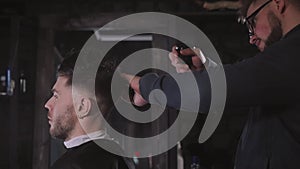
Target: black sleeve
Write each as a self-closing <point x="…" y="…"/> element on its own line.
<point x="181" y="94"/>
<point x="270" y="78"/>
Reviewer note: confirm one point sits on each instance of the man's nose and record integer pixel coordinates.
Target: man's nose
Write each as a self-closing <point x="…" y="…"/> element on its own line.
<point x="252" y="39"/>
<point x="48" y="105"/>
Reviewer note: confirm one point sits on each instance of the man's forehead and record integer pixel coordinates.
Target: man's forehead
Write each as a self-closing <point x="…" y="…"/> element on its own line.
<point x="251" y="9"/>
<point x="61" y="81"/>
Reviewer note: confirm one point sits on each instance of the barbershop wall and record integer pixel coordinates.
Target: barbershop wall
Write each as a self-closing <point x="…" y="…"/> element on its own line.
<point x="18" y="54"/>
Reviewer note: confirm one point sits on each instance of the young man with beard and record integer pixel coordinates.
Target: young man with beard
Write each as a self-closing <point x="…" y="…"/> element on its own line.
<point x="268" y="83"/>
<point x="74" y="118"/>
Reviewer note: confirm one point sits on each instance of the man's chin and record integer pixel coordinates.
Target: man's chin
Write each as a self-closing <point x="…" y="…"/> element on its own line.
<point x="261" y="46"/>
<point x="261" y="49"/>
<point x="53" y="133"/>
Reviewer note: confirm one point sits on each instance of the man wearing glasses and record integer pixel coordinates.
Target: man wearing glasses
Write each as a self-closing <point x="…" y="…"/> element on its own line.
<point x="268" y="83"/>
<point x="261" y="34"/>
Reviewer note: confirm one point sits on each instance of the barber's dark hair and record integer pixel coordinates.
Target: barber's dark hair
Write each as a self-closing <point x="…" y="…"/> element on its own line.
<point x="246" y="3"/>
<point x="102" y="82"/>
<point x="295" y="3"/>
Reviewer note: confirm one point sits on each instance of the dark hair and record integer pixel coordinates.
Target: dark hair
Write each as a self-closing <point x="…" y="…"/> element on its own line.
<point x="295" y="3"/>
<point x="246" y="3"/>
<point x="66" y="67"/>
<point x="102" y="82"/>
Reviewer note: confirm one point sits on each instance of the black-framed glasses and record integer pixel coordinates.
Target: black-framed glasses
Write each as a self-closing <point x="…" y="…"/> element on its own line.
<point x="249" y="20"/>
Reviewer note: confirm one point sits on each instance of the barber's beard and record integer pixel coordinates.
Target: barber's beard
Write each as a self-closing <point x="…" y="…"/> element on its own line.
<point x="63" y="124"/>
<point x="276" y="32"/>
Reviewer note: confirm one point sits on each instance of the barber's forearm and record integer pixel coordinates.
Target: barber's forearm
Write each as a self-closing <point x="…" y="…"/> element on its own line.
<point x="166" y="84"/>
<point x="186" y="97"/>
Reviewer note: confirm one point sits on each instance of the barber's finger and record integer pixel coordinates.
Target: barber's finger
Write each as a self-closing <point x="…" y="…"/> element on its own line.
<point x="182" y="68"/>
<point x="173" y="58"/>
<point x="138" y="100"/>
<point x="197" y="51"/>
<point x="188" y="52"/>
<point x="197" y="61"/>
<point x="200" y="54"/>
<point x="174" y="50"/>
<point x="133" y="81"/>
<point x="126" y="76"/>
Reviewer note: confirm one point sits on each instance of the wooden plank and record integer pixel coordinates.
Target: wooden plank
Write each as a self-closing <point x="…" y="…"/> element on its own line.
<point x="82" y="22"/>
<point x="44" y="80"/>
<point x="168" y="159"/>
<point x="13" y="98"/>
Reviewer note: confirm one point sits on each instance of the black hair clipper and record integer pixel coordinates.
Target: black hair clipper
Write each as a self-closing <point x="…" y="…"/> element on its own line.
<point x="187" y="58"/>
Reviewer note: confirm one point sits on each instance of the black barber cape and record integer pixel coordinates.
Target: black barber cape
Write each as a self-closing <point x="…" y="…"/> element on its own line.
<point x="91" y="156"/>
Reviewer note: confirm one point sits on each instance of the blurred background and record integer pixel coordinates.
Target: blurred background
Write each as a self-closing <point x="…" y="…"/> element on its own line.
<point x="37" y="34"/>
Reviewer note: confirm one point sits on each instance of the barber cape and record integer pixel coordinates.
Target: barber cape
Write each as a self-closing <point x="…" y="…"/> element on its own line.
<point x="84" y="152"/>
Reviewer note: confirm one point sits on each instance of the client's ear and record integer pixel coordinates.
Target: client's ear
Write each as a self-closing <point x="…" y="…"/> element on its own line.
<point x="280" y="5"/>
<point x="83" y="107"/>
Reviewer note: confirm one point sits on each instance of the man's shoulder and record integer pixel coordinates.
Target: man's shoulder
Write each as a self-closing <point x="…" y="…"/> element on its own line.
<point x="104" y="146"/>
<point x="91" y="155"/>
<point x="99" y="149"/>
<point x="289" y="44"/>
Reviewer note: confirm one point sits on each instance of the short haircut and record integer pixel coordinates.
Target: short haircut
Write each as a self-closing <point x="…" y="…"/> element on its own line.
<point x="295" y="3"/>
<point x="247" y="3"/>
<point x="102" y="82"/>
<point x="66" y="67"/>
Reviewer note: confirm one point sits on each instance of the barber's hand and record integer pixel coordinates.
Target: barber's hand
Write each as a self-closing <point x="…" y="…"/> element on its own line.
<point x="138" y="100"/>
<point x="182" y="67"/>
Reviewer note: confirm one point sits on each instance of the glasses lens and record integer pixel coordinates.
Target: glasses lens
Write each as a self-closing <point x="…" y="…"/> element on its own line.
<point x="248" y="22"/>
<point x="250" y="28"/>
<point x="242" y="20"/>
